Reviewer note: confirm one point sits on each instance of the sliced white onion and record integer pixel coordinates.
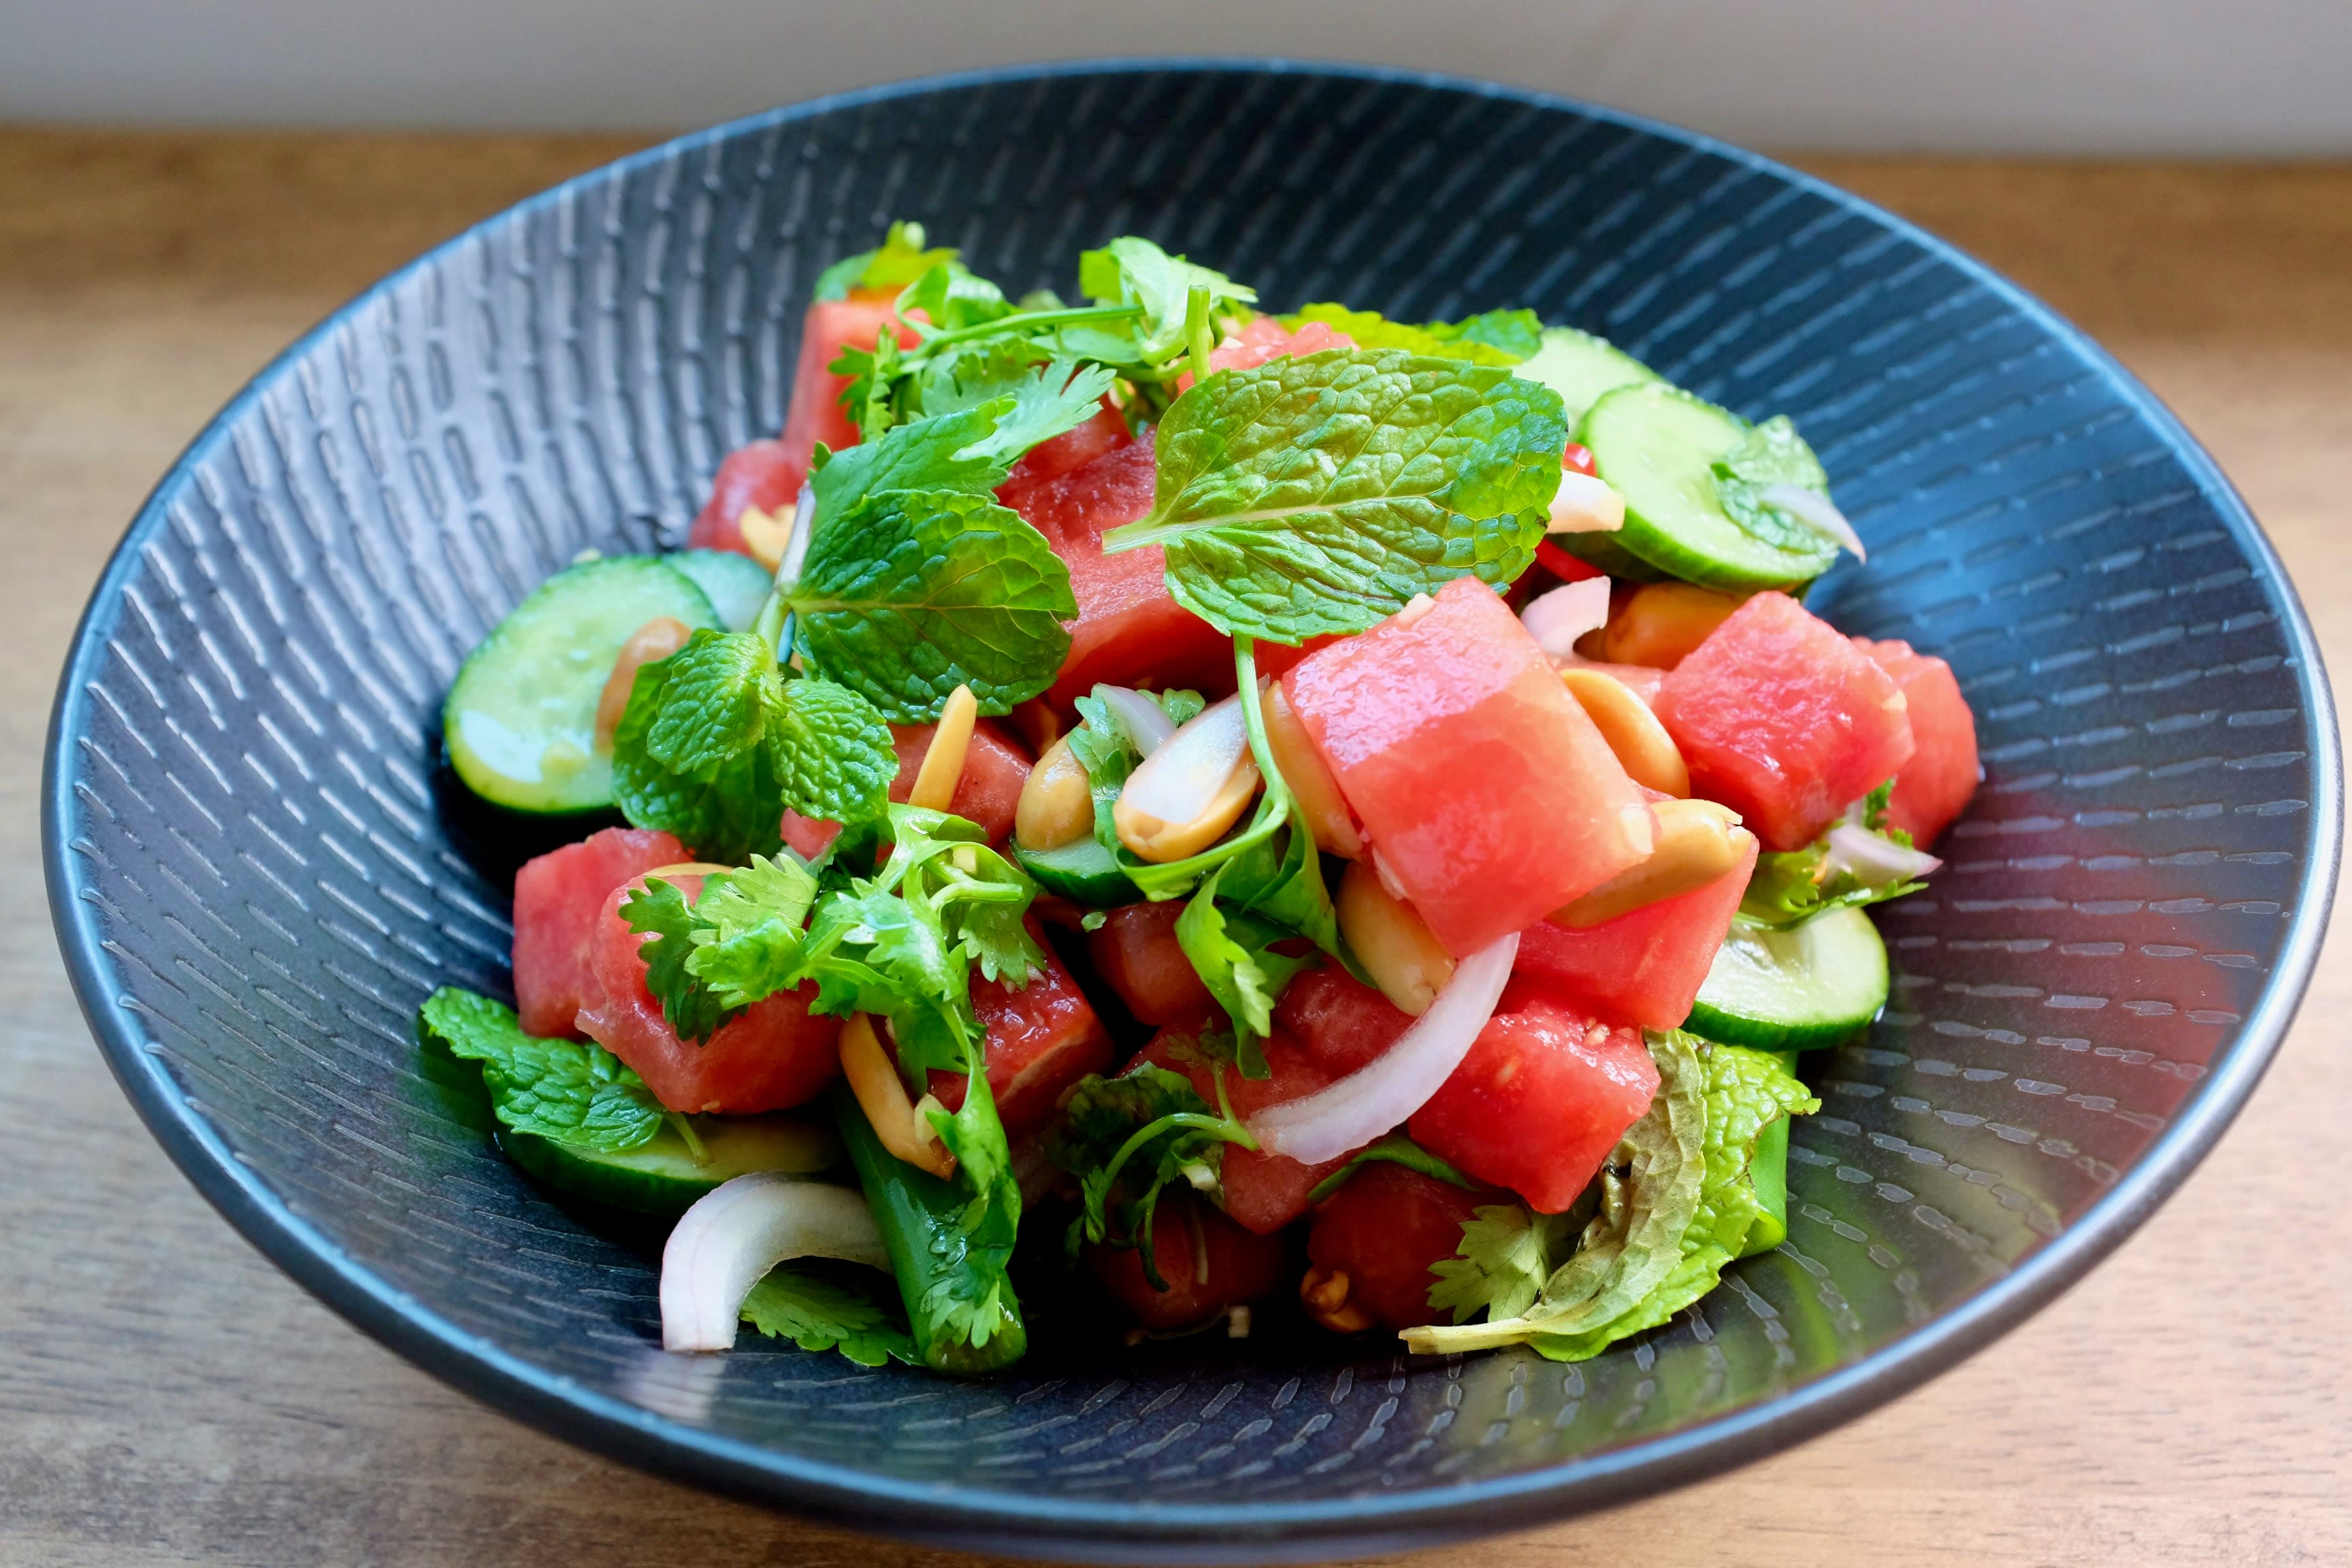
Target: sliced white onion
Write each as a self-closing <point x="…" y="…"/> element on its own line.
<point x="729" y="1241"/>
<point x="1874" y="858"/>
<point x="796" y="546"/>
<point x="1147" y="724"/>
<point x="1180" y="777"/>
<point x="1584" y="504"/>
<point x="1381" y="1095"/>
<point x="1816" y="512"/>
<point x="1558" y="618"/>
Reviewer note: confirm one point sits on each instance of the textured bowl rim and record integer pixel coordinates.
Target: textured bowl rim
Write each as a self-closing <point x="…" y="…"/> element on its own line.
<point x="976" y="1518"/>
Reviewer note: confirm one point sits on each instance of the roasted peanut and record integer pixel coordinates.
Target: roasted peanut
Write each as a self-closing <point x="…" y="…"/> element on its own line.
<point x="1057" y="801"/>
<point x="767" y="535"/>
<point x="943" y="758"/>
<point x="896" y="1120"/>
<point x="1659" y="623"/>
<point x="1696" y="842"/>
<point x="1310" y="782"/>
<point x="1390" y="940"/>
<point x="1642" y="746"/>
<point x="1324" y="1294"/>
<point x="657" y="639"/>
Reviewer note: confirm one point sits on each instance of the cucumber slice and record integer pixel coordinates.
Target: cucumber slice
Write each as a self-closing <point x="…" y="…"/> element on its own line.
<point x="521" y="720"/>
<point x="1581" y="368"/>
<point x="1658" y="447"/>
<point x="1812" y="984"/>
<point x="662" y="1177"/>
<point x="1082" y="872"/>
<point x="735" y="584"/>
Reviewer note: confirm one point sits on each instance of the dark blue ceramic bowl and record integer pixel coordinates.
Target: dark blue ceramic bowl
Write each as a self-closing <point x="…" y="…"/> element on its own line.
<point x="254" y="886"/>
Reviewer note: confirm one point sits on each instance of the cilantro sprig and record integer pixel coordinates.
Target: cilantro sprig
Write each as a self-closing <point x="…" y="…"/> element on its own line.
<point x="1790" y="887"/>
<point x="1127" y="1139"/>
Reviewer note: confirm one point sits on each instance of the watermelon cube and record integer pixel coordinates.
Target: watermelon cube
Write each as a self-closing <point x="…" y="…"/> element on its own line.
<point x="1135" y="952"/>
<point x="1383" y="1230"/>
<point x="1935" y="787"/>
<point x="994" y="768"/>
<point x="1206" y="1261"/>
<point x="1544" y="1095"/>
<point x="1489" y="796"/>
<point x="1264" y="1191"/>
<point x="1783" y="720"/>
<point x="558" y="912"/>
<point x="1645" y="966"/>
<point x="1042" y="1038"/>
<point x="772" y="1056"/>
<point x="1340" y="1021"/>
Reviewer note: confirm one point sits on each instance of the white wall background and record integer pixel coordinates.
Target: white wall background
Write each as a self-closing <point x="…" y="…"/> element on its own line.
<point x="2200" y="77"/>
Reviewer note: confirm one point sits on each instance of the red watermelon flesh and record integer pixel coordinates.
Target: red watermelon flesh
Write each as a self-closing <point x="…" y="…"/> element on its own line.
<point x="1782" y="719"/>
<point x="1071" y="450"/>
<point x="1544" y="1095"/>
<point x="763" y="474"/>
<point x="1264" y="1191"/>
<point x="1489" y="797"/>
<point x="1341" y="1022"/>
<point x="1645" y="966"/>
<point x="1186" y="1235"/>
<point x="1383" y="1229"/>
<point x="995" y="769"/>
<point x="1042" y="1038"/>
<point x="1936" y="786"/>
<point x="1129" y="629"/>
<point x="1135" y="952"/>
<point x="772" y="1056"/>
<point x="559" y="911"/>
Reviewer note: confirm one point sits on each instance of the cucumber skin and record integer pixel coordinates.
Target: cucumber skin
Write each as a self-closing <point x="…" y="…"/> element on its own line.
<point x="496" y="662"/>
<point x="1105" y="889"/>
<point x="1739" y="563"/>
<point x="1582" y="367"/>
<point x="584" y="1173"/>
<point x="724" y="578"/>
<point x="1787" y="1035"/>
<point x="912" y="1208"/>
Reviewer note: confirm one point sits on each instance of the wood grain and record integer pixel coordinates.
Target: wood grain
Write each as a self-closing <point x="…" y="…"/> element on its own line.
<point x="166" y="1396"/>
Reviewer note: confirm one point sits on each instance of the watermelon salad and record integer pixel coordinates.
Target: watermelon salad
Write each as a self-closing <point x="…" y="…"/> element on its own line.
<point x="1153" y="810"/>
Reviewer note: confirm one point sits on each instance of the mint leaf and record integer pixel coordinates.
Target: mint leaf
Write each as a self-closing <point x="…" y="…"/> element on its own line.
<point x="1396" y="1149"/>
<point x="819" y="1310"/>
<point x="1319" y="495"/>
<point x="830" y="750"/>
<point x="1499" y="336"/>
<point x="1774" y="453"/>
<point x="932" y="454"/>
<point x="713" y="690"/>
<point x="570" y="1091"/>
<point x="897" y="261"/>
<point x="725" y="811"/>
<point x="658" y="912"/>
<point x="1131" y="271"/>
<point x="909" y="594"/>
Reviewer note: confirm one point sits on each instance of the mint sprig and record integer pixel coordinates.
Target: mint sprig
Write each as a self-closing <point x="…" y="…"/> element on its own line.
<point x="1320" y="494"/>
<point x="573" y="1092"/>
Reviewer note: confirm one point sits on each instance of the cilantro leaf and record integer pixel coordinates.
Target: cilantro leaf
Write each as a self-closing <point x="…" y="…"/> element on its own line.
<point x="1131" y="271"/>
<point x="658" y="911"/>
<point x="1790" y="887"/>
<point x="897" y="261"/>
<point x="1499" y="336"/>
<point x="952" y="297"/>
<point x="1126" y="1139"/>
<point x="1396" y="1149"/>
<point x="1508" y="1252"/>
<point x="1060" y="396"/>
<point x="1774" y="453"/>
<point x="1320" y="494"/>
<point x="1232" y="951"/>
<point x="820" y="1310"/>
<point x="573" y="1092"/>
<point x="909" y="594"/>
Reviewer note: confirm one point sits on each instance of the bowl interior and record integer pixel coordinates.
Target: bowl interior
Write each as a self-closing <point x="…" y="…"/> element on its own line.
<point x="256" y="886"/>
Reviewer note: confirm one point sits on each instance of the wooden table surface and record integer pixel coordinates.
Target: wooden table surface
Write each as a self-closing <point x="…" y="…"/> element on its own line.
<point x="167" y="1397"/>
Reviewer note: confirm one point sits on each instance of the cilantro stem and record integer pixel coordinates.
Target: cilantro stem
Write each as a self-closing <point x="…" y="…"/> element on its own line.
<point x="1224" y="1128"/>
<point x="1021" y="321"/>
<point x="684" y="1127"/>
<point x="1196" y="332"/>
